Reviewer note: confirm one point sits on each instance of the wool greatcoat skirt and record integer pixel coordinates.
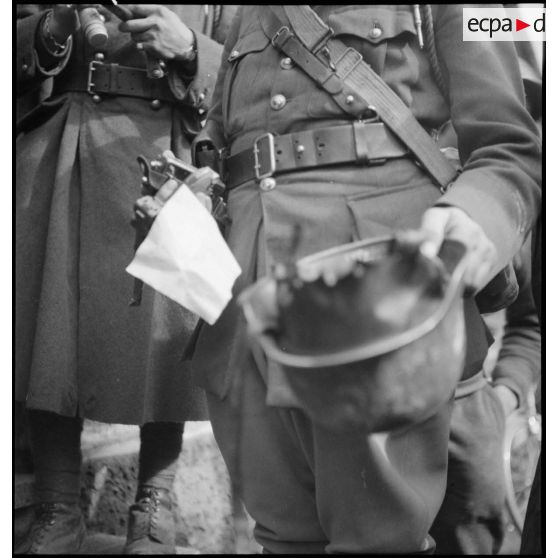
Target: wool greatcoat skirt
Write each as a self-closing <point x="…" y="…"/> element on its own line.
<point x="80" y="349"/>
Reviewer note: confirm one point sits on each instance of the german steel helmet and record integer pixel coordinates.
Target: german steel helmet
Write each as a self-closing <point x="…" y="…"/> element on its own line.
<point x="370" y="334"/>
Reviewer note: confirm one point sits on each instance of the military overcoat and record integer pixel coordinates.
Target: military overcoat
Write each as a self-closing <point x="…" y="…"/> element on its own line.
<point x="79" y="348"/>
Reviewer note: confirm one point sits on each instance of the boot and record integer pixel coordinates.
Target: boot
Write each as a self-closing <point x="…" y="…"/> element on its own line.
<point x="151" y="528"/>
<point x="57" y="529"/>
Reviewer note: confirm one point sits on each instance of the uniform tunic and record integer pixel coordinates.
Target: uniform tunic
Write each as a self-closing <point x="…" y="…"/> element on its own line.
<point x="310" y="490"/>
<point x="498" y="143"/>
<point x="80" y="349"/>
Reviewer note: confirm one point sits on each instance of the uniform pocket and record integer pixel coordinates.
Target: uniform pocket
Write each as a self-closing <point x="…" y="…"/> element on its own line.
<point x="384" y="210"/>
<point x="374" y="24"/>
<point x="253" y="41"/>
<point x="373" y="31"/>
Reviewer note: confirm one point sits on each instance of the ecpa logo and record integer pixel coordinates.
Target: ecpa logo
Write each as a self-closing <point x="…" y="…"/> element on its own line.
<point x="504" y="24"/>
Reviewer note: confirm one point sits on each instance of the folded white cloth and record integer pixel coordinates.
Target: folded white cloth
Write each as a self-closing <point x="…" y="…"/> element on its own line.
<point x="185" y="257"/>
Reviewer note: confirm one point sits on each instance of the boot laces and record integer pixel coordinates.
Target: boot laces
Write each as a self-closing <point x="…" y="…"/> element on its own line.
<point x="46" y="518"/>
<point x="151" y="523"/>
<point x="150" y="500"/>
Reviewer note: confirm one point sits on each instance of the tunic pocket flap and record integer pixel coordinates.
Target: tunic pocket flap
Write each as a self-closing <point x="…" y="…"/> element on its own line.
<point x="385" y="210"/>
<point x="254" y="41"/>
<point x="372" y="23"/>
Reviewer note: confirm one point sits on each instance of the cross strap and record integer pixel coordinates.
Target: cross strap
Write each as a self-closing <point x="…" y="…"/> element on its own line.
<point x="301" y="34"/>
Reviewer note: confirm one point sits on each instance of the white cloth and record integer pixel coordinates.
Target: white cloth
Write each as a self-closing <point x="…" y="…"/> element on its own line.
<point x="185" y="257"/>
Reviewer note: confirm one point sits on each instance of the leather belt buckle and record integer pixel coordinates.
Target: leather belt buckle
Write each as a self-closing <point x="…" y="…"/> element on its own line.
<point x="281" y="36"/>
<point x="93" y="65"/>
<point x="270" y="156"/>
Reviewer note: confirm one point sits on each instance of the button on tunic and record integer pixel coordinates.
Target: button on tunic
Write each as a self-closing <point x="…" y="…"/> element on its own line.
<point x="278" y="102"/>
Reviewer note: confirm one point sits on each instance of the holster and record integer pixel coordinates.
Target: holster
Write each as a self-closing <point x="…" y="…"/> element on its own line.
<point x="207" y="148"/>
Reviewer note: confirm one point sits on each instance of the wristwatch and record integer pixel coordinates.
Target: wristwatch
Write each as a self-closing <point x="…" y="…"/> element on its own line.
<point x="192" y="51"/>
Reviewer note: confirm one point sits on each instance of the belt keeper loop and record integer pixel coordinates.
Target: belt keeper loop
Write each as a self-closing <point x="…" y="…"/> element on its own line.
<point x="361" y="143"/>
<point x="332" y="83"/>
<point x="281" y="37"/>
<point x="113" y="77"/>
<point x="348" y="62"/>
<point x="220" y="156"/>
<point x="153" y="83"/>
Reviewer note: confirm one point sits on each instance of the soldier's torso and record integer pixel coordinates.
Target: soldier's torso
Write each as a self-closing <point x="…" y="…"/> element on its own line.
<point x="121" y="49"/>
<point x="264" y="92"/>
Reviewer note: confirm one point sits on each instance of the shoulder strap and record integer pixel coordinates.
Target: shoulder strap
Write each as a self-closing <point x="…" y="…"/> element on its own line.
<point x="302" y="35"/>
<point x="432" y="51"/>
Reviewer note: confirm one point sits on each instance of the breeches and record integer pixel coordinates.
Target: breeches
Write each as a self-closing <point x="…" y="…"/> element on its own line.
<point x="314" y="491"/>
<point x="470" y="520"/>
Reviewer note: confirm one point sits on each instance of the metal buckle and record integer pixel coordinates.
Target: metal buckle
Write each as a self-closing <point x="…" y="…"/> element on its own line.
<point x="272" y="166"/>
<point x="90" y="83"/>
<point x="321" y="43"/>
<point x="283" y="31"/>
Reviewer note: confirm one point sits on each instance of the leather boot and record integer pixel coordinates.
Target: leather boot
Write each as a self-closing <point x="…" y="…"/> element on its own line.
<point x="57" y="529"/>
<point x="151" y="528"/>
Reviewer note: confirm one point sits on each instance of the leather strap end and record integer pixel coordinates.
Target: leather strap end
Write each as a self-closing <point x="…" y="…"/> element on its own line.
<point x="361" y="142"/>
<point x="333" y="84"/>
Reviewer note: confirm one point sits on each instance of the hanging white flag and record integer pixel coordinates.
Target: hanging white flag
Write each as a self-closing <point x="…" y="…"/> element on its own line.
<point x="185" y="257"/>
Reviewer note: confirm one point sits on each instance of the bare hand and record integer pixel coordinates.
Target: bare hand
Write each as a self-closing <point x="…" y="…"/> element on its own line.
<point x="159" y="30"/>
<point x="507" y="397"/>
<point x="439" y="223"/>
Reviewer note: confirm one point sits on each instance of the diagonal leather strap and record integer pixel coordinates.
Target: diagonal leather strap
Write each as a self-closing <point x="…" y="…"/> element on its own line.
<point x="301" y="34"/>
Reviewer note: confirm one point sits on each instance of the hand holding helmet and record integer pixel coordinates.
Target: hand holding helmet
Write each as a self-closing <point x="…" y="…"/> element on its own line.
<point x="439" y="223"/>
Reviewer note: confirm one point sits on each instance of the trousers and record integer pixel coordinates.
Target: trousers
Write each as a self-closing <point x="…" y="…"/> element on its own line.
<point x="471" y="519"/>
<point x="311" y="490"/>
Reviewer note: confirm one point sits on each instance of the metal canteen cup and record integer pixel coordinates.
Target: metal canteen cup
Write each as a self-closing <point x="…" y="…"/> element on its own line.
<point x="353" y="371"/>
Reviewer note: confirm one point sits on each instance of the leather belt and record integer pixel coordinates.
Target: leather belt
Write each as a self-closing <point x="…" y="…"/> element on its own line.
<point x="113" y="79"/>
<point x="367" y="143"/>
